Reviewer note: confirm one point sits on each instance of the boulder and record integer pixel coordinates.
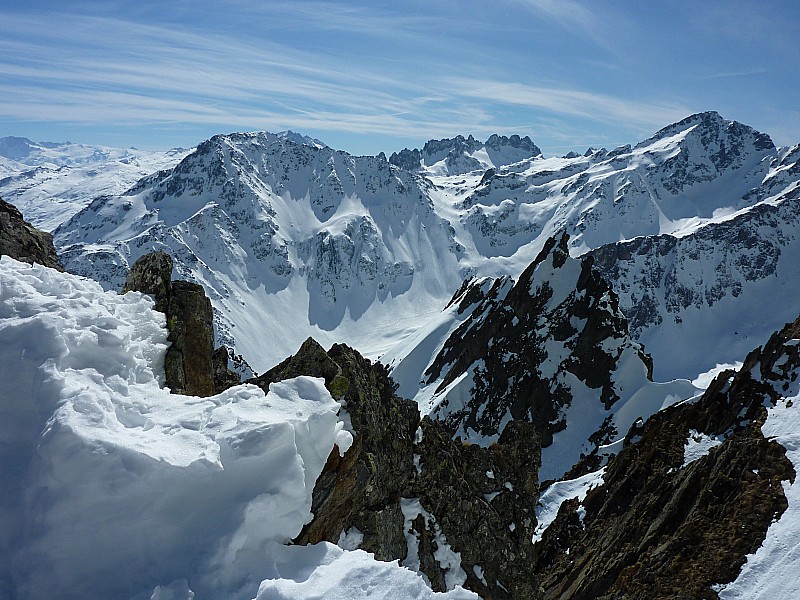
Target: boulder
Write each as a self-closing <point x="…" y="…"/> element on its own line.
<point x="22" y="241"/>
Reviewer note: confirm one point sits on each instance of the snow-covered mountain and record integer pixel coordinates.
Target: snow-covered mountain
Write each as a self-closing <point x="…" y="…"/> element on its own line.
<point x="459" y="155"/>
<point x="534" y="377"/>
<point x="551" y="348"/>
<point x="290" y="239"/>
<point x="50" y="182"/>
<point x="294" y="239"/>
<point x="705" y="297"/>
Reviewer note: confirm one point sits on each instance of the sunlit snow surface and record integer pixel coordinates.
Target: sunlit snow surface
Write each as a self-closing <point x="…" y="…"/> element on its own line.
<point x="111" y="487"/>
<point x="558" y="492"/>
<point x="50" y="186"/>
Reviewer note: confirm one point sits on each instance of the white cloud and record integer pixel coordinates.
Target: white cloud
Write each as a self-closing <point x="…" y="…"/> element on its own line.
<point x="598" y="107"/>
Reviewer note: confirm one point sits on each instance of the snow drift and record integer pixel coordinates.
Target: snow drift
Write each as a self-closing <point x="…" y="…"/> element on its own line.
<point x="111" y="487"/>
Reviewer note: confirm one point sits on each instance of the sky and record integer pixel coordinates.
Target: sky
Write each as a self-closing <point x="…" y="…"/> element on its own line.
<point x="377" y="76"/>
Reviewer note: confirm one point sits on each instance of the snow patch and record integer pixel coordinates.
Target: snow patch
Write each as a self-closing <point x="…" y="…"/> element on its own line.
<point x="557" y="493"/>
<point x="698" y="445"/>
<point x="93" y="451"/>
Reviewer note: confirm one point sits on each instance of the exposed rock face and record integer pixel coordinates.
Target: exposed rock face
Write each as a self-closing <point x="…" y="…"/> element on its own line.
<point x="406" y="491"/>
<point x="152" y="274"/>
<point x="191" y="330"/>
<point x="552" y="349"/>
<point x="665" y="526"/>
<point x="462" y="155"/>
<point x="223" y="376"/>
<point x="406" y="159"/>
<point x="188" y="363"/>
<point x="23" y="242"/>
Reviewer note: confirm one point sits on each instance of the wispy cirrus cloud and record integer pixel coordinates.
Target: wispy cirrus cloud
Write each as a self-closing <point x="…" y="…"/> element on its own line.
<point x="147" y="71"/>
<point x="564" y="101"/>
<point x="87" y="69"/>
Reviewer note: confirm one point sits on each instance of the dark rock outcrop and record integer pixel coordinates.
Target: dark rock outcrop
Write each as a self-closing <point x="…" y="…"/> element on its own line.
<point x="224" y="378"/>
<point x="664" y="527"/>
<point x="530" y="348"/>
<point x="406" y="159"/>
<point x="22" y="241"/>
<point x="405" y="489"/>
<point x="152" y="274"/>
<point x="188" y="362"/>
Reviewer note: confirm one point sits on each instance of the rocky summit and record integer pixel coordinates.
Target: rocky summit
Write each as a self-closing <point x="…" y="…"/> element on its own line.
<point x="459" y="514"/>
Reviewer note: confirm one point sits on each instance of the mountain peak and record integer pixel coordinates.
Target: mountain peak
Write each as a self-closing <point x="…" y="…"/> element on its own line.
<point x="15" y="148"/>
<point x="709" y="126"/>
<point x="459" y="155"/>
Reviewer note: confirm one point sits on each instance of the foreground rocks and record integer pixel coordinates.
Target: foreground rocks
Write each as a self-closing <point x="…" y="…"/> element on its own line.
<point x="22" y="241"/>
<point x="406" y="491"/>
<point x="190" y="364"/>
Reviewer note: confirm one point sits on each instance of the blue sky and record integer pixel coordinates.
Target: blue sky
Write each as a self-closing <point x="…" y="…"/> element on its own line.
<point x="371" y="76"/>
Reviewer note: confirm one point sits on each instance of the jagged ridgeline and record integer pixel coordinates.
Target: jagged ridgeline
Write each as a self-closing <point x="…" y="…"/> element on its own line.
<point x="362" y="251"/>
<point x="551" y="348"/>
<point x="407" y="491"/>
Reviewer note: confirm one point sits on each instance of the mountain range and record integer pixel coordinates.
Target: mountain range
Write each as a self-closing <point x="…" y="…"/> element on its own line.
<point x="614" y="332"/>
<point x="361" y="251"/>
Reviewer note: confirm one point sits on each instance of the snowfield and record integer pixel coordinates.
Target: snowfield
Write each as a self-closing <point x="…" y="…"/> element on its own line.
<point x="111" y="487"/>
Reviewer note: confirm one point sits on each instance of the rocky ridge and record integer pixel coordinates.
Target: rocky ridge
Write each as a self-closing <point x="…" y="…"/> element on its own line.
<point x="689" y="497"/>
<point x="551" y="348"/>
<point x="458" y="514"/>
<point x="459" y="155"/>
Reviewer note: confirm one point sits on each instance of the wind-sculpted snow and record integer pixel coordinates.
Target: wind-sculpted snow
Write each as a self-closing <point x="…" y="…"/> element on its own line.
<point x="114" y="488"/>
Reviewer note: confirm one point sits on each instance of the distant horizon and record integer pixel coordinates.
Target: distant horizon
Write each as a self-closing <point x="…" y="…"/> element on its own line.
<point x="576" y="148"/>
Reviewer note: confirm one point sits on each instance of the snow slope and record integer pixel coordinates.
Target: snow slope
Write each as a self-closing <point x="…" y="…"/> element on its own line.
<point x="111" y="487"/>
<point x="50" y="182"/>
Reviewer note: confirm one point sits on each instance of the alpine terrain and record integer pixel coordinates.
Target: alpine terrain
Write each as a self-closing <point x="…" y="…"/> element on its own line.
<point x="278" y="370"/>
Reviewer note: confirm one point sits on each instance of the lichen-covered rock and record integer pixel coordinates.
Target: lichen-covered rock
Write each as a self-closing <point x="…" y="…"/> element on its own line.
<point x="188" y="362"/>
<point x="152" y="274"/>
<point x="458" y="514"/>
<point x="22" y="241"/>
